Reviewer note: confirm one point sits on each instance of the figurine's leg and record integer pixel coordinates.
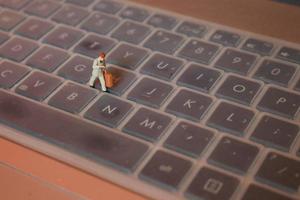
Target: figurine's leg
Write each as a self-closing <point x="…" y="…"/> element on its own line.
<point x="92" y="80"/>
<point x="102" y="81"/>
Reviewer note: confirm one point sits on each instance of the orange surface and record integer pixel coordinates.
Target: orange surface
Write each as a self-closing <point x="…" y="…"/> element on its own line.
<point x="257" y="16"/>
<point x="56" y="173"/>
<point x="14" y="180"/>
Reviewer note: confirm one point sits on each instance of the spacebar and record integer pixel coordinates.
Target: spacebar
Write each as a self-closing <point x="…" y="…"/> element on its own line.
<point x="70" y="133"/>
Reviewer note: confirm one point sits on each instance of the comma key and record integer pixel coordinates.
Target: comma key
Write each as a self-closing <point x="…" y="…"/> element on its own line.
<point x="280" y="102"/>
<point x="189" y="139"/>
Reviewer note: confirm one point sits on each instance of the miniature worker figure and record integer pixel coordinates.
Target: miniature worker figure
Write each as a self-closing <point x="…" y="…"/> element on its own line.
<point x="99" y="67"/>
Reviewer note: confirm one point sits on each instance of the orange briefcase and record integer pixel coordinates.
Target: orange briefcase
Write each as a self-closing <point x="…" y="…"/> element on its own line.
<point x="108" y="77"/>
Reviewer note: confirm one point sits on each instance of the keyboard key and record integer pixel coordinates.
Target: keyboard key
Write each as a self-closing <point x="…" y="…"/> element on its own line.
<point x="14" y="4"/>
<point x="280" y="102"/>
<point x="199" y="51"/>
<point x="275" y="133"/>
<point x="275" y="72"/>
<point x="150" y="92"/>
<point x="189" y="105"/>
<point x="297" y="86"/>
<point x="191" y="29"/>
<point x="162" y="66"/>
<point x="34" y="28"/>
<point x="212" y="185"/>
<point x="162" y="21"/>
<point x="108" y="110"/>
<point x="280" y="171"/>
<point x="38" y="86"/>
<point x="233" y="155"/>
<point x="258" y="46"/>
<point x="257" y="192"/>
<point x="134" y="13"/>
<point x="77" y="69"/>
<point x="84" y="3"/>
<point x="10" y="73"/>
<point x="123" y="79"/>
<point x="100" y="23"/>
<point x="63" y="37"/>
<point x="165" y="170"/>
<point x="127" y="56"/>
<point x="72" y="97"/>
<point x="93" y="44"/>
<point x="17" y="49"/>
<point x="147" y="124"/>
<point x="289" y="54"/>
<point x="42" y="8"/>
<point x="9" y="20"/>
<point x="108" y="6"/>
<point x="47" y="58"/>
<point x="238" y="89"/>
<point x="230" y="118"/>
<point x="225" y="38"/>
<point x="163" y="41"/>
<point x="189" y="139"/>
<point x="70" y="15"/>
<point x="131" y="32"/>
<point x="236" y="61"/>
<point x="81" y="137"/>
<point x="199" y="78"/>
<point x="3" y="37"/>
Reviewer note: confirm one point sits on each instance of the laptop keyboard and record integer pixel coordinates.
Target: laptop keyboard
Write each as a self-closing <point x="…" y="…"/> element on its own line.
<point x="199" y="111"/>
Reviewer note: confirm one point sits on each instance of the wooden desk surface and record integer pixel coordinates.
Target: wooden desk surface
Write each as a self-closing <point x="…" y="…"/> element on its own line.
<point x="259" y="16"/>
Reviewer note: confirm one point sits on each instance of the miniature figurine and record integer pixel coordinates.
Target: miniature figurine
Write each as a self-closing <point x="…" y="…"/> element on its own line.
<point x="99" y="68"/>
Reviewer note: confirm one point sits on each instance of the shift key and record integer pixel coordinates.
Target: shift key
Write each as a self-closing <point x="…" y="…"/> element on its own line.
<point x="72" y="134"/>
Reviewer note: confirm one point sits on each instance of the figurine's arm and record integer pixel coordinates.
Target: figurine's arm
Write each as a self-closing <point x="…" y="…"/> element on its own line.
<point x="103" y="66"/>
<point x="95" y="65"/>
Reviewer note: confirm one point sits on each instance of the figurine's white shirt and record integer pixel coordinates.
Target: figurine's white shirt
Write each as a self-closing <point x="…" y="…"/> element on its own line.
<point x="97" y="67"/>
